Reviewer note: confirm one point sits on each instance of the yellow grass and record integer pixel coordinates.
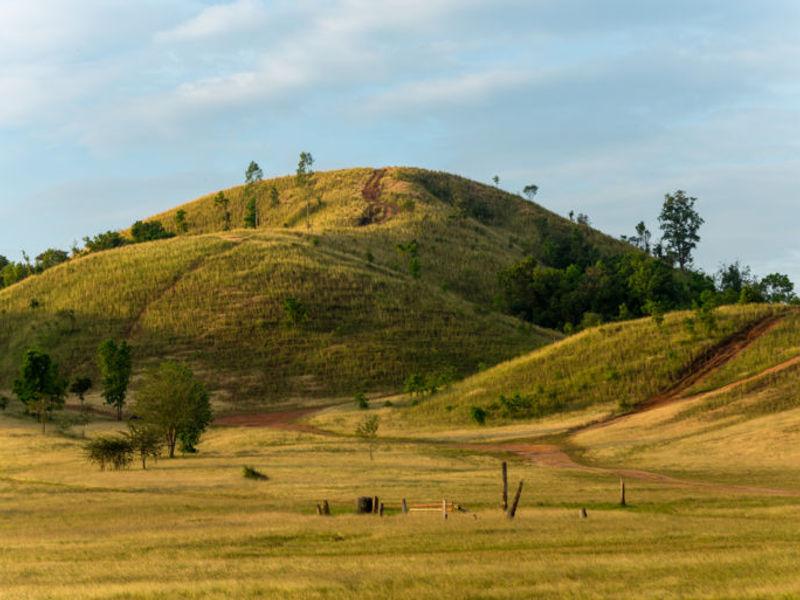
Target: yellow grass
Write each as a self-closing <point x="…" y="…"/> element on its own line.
<point x="194" y="527"/>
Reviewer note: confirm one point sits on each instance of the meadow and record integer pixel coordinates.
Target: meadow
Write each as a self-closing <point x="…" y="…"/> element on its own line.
<point x="193" y="527"/>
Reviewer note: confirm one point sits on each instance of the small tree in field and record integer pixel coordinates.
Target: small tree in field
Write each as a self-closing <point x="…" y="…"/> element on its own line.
<point x="114" y="361"/>
<point x="110" y="451"/>
<point x="79" y="387"/>
<point x="252" y="177"/>
<point x="367" y="430"/>
<point x="146" y="441"/>
<point x="39" y="386"/>
<point x="181" y="224"/>
<point x="174" y="401"/>
<point x="530" y="191"/>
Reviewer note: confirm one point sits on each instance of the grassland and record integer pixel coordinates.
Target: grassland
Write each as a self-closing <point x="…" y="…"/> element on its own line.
<point x="193" y="527"/>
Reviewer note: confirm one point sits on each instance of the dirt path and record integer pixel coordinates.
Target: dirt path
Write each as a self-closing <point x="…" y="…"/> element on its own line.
<point x="288" y="420"/>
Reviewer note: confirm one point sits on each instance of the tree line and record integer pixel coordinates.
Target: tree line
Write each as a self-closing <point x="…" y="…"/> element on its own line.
<point x="172" y="407"/>
<point x="571" y="286"/>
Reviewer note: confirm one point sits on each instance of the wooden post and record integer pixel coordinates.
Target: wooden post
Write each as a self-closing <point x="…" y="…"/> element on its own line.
<point x="505" y="485"/>
<point x="380" y="512"/>
<point x="319" y="509"/>
<point x="326" y="508"/>
<point x="513" y="510"/>
<point x="444" y="509"/>
<point x="405" y="507"/>
<point x="375" y="505"/>
<point x="622" y="492"/>
<point x="584" y="514"/>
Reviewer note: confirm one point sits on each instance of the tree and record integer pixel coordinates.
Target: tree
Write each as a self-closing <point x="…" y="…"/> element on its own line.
<point x="146" y="441"/>
<point x="114" y="361"/>
<point x="221" y="202"/>
<point x="304" y="178"/>
<point x="777" y="288"/>
<point x="496" y="180"/>
<point x="530" y="191"/>
<point x="181" y="224"/>
<point x="252" y="176"/>
<point x="39" y="386"/>
<point x="116" y="451"/>
<point x="104" y="241"/>
<point x="642" y="238"/>
<point x="79" y="387"/>
<point x="49" y="259"/>
<point x="367" y="430"/>
<point x="414" y="385"/>
<point x="274" y="197"/>
<point x="680" y="223"/>
<point x="174" y="401"/>
<point x="147" y="231"/>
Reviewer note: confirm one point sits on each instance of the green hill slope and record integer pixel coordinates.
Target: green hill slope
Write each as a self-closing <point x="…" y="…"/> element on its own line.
<point x="618" y="365"/>
<point x="287" y="310"/>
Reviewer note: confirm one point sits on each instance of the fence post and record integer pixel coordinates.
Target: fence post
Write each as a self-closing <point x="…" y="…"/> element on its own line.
<point x="513" y="511"/>
<point x="622" y="492"/>
<point x="380" y="512"/>
<point x="505" y="485"/>
<point x="326" y="508"/>
<point x="444" y="509"/>
<point x="375" y="505"/>
<point x="584" y="514"/>
<point x="405" y="507"/>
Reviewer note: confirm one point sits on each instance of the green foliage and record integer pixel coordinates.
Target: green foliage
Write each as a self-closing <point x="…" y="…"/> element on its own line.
<point x="115" y="364"/>
<point x="478" y="415"/>
<point x="79" y="387"/>
<point x="40" y="386"/>
<point x="274" y="197"/>
<point x="115" y="452"/>
<point x="145" y="440"/>
<point x="222" y="203"/>
<point x="252" y="473"/>
<point x="3" y="402"/>
<point x="361" y="401"/>
<point x="49" y="259"/>
<point x="14" y="272"/>
<point x="411" y="251"/>
<point x="680" y="223"/>
<point x="295" y="311"/>
<point x="174" y="401"/>
<point x="181" y="224"/>
<point x="104" y="241"/>
<point x="367" y="430"/>
<point x="148" y="231"/>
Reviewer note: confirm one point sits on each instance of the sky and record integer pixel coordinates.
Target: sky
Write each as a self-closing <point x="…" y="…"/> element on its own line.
<point x="112" y="110"/>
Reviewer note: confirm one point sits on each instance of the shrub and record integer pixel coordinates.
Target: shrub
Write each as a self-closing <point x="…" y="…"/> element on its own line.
<point x="295" y="311"/>
<point x="114" y="451"/>
<point x="361" y="401"/>
<point x="478" y="415"/>
<point x="252" y="473"/>
<point x="147" y="231"/>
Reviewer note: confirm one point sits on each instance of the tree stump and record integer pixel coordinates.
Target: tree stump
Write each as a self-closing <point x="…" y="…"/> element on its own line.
<point x="364" y="506"/>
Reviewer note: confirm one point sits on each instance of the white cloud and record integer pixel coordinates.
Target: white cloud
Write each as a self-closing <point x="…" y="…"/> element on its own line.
<point x="469" y="89"/>
<point x="218" y="20"/>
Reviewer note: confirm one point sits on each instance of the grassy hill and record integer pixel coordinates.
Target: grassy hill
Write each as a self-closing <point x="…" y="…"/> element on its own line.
<point x="360" y="318"/>
<point x="616" y="365"/>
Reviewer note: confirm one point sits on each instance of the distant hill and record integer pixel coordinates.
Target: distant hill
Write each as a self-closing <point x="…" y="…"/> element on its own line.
<point x="287" y="310"/>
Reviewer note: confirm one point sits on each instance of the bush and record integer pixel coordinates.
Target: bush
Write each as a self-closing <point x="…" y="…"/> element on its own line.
<point x="251" y="473"/>
<point x="148" y="231"/>
<point x="478" y="415"/>
<point x="361" y="401"/>
<point x="115" y="452"/>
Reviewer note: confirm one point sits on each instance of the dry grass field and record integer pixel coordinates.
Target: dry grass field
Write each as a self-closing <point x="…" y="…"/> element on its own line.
<point x="193" y="527"/>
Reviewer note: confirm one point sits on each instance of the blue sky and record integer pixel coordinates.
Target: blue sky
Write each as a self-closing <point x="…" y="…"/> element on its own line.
<point x="112" y="110"/>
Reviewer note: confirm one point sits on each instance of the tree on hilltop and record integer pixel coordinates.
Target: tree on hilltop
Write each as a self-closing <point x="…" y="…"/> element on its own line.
<point x="252" y="176"/>
<point x="304" y="179"/>
<point x="680" y="223"/>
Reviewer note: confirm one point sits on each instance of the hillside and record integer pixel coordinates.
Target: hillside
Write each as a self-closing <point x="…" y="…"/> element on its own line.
<point x="284" y="311"/>
<point x="615" y="366"/>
